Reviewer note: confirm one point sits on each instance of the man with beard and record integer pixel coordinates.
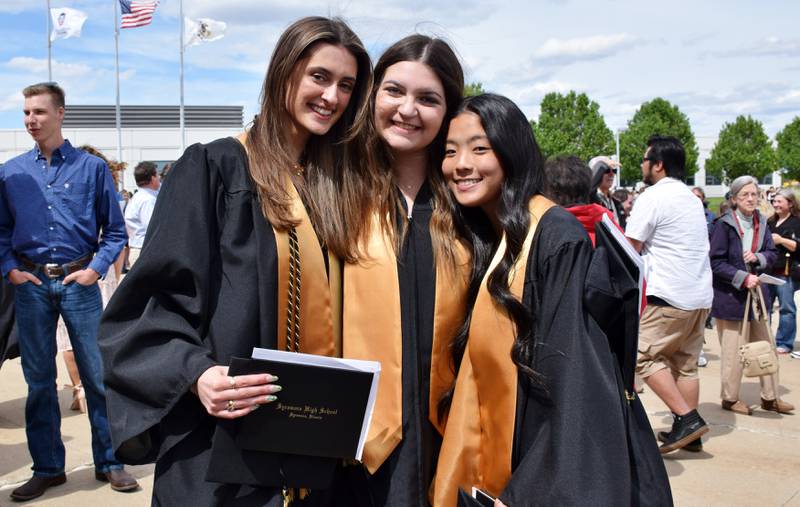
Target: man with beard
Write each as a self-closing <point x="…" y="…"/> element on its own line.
<point x="667" y="226"/>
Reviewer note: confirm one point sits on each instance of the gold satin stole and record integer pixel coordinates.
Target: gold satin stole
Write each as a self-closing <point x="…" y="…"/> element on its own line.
<point x="478" y="438"/>
<point x="320" y="322"/>
<point x="372" y="331"/>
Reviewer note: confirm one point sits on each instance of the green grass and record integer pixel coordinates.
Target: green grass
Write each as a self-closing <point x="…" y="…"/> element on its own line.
<point x="713" y="204"/>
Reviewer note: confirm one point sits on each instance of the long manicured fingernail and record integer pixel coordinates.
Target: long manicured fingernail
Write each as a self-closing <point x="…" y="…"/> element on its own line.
<point x="270" y="398"/>
<point x="272" y="378"/>
<point x="255" y="407"/>
<point x="276" y="389"/>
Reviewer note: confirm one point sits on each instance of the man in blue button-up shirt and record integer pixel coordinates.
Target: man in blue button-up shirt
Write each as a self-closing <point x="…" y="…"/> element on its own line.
<point x="60" y="230"/>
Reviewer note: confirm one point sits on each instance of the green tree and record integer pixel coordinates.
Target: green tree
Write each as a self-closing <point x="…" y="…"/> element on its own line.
<point x="571" y="124"/>
<point x="742" y="148"/>
<point x="473" y="89"/>
<point x="660" y="117"/>
<point x="789" y="149"/>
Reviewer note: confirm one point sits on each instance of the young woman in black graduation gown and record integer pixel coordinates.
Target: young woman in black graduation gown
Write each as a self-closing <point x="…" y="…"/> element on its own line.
<point x="539" y="414"/>
<point x="404" y="302"/>
<point x="212" y="279"/>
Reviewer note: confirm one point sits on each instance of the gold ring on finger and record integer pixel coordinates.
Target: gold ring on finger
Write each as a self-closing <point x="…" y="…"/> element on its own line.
<point x="231" y="406"/>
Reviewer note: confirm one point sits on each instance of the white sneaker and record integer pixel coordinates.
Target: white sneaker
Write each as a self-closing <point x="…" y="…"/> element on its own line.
<point x="795" y="354"/>
<point x="702" y="360"/>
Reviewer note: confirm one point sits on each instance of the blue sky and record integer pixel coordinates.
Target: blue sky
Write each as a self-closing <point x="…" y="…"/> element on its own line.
<point x="714" y="59"/>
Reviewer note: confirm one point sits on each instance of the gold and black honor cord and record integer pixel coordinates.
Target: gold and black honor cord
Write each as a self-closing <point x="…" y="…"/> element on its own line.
<point x="293" y="306"/>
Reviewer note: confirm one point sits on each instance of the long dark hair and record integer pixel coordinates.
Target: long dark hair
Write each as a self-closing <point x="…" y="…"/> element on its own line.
<point x="442" y="60"/>
<point x="515" y="147"/>
<point x="336" y="179"/>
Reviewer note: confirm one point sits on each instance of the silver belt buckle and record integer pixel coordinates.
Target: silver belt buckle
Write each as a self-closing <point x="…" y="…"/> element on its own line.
<point x="50" y="270"/>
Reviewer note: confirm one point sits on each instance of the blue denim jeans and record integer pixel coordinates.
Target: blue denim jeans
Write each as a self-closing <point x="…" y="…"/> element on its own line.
<point x="787" y="322"/>
<point x="37" y="310"/>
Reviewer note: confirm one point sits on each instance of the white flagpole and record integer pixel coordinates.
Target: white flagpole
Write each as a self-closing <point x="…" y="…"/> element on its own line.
<point x="182" y="126"/>
<point x="116" y="48"/>
<point x="49" y="44"/>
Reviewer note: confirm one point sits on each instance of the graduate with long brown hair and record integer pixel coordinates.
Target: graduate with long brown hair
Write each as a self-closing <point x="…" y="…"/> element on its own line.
<point x="405" y="300"/>
<point x="213" y="278"/>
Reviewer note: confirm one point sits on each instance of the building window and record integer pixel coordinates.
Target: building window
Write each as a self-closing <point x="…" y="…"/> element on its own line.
<point x="712" y="180"/>
<point x="766" y="180"/>
<point x="690" y="180"/>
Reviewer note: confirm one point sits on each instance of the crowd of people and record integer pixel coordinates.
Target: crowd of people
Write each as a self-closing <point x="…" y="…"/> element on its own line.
<point x="378" y="214"/>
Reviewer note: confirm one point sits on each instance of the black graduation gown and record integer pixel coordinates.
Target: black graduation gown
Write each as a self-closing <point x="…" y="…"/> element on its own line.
<point x="575" y="449"/>
<point x="9" y="348"/>
<point x="404" y="478"/>
<point x="203" y="290"/>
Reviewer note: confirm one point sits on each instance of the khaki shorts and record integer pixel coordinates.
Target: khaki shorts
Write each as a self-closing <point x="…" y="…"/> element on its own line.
<point x="670" y="338"/>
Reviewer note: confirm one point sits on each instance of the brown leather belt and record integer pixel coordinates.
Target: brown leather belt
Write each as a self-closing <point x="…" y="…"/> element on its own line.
<point x="56" y="270"/>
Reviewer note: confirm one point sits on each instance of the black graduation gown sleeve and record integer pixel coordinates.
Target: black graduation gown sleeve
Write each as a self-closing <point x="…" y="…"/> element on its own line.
<point x="9" y="348"/>
<point x="571" y="449"/>
<point x="152" y="336"/>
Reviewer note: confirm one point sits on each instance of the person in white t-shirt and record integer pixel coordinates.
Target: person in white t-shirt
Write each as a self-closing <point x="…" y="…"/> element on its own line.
<point x="668" y="227"/>
<point x="140" y="207"/>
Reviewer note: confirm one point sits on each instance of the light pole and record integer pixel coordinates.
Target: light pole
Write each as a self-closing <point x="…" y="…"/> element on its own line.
<point x="618" y="176"/>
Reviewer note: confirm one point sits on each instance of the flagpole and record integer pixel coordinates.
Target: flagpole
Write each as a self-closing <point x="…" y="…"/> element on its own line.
<point x="116" y="55"/>
<point x="49" y="44"/>
<point x="182" y="126"/>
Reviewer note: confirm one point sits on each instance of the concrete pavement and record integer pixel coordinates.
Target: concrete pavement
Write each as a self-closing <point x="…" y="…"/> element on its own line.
<point x="747" y="460"/>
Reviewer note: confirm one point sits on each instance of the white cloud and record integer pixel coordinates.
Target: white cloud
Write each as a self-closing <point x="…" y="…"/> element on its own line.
<point x="566" y="51"/>
<point x="12" y="102"/>
<point x="39" y="65"/>
<point x="791" y="96"/>
<point x="14" y="6"/>
<point x="769" y="46"/>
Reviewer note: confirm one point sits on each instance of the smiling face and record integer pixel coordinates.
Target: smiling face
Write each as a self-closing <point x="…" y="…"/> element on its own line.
<point x="472" y="170"/>
<point x="409" y="106"/>
<point x="42" y="118"/>
<point x="781" y="204"/>
<point x="320" y="90"/>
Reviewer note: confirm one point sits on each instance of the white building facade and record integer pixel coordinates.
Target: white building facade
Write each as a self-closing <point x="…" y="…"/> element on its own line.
<point x="149" y="133"/>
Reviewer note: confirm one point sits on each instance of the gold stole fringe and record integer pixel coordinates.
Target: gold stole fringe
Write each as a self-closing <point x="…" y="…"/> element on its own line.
<point x="320" y="294"/>
<point x="478" y="439"/>
<point x="372" y="331"/>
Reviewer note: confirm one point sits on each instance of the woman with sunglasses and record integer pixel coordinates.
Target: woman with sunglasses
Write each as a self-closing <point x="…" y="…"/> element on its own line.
<point x="233" y="219"/>
<point x="604" y="169"/>
<point x="539" y="414"/>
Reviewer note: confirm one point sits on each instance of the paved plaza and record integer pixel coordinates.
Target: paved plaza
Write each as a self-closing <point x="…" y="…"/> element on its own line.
<point x="747" y="461"/>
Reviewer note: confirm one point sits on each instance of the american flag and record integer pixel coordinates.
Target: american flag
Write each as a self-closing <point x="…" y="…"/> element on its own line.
<point x="137" y="12"/>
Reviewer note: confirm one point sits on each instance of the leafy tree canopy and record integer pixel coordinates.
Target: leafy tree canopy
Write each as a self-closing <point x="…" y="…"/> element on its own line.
<point x="571" y="124"/>
<point x="742" y="148"/>
<point x="472" y="89"/>
<point x="660" y="117"/>
<point x="789" y="149"/>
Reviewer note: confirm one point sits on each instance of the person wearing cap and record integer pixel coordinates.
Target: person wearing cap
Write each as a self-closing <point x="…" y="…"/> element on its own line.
<point x="603" y="171"/>
<point x="60" y="230"/>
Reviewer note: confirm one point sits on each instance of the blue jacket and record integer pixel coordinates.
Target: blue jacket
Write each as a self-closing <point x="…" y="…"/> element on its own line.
<point x="727" y="264"/>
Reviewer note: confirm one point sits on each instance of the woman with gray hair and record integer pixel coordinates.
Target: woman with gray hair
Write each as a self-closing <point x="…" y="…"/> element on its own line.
<point x="784" y="225"/>
<point x="741" y="246"/>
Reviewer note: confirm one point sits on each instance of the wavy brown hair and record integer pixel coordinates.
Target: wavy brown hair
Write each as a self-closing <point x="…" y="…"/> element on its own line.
<point x="337" y="182"/>
<point x="794" y="209"/>
<point x="115" y="167"/>
<point x="440" y="58"/>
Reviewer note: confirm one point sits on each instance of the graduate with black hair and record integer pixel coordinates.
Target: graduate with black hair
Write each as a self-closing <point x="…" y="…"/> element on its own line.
<point x="539" y="414"/>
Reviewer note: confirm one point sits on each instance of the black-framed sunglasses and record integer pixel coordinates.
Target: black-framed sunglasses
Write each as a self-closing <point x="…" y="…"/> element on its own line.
<point x="651" y="159"/>
<point x="610" y="170"/>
